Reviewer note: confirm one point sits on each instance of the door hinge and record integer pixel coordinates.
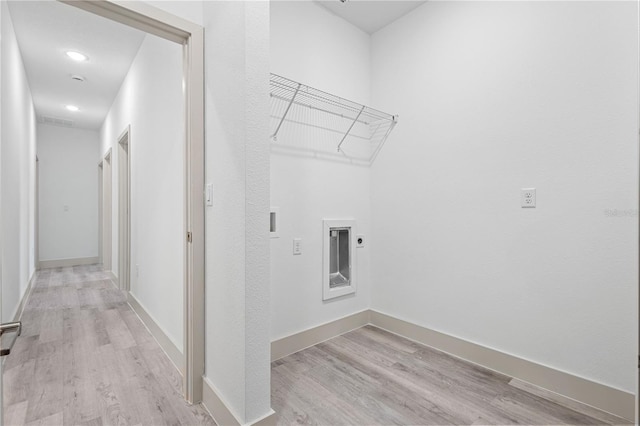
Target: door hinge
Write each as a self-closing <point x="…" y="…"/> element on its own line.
<point x="189" y="237"/>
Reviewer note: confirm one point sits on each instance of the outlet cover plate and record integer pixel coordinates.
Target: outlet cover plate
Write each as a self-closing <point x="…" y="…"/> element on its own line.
<point x="297" y="246"/>
<point x="528" y="197"/>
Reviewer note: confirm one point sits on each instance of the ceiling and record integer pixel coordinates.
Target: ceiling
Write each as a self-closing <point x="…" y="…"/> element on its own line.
<point x="368" y="15"/>
<point x="45" y="31"/>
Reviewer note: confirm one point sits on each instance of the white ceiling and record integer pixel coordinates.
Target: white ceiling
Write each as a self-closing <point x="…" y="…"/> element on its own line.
<point x="368" y="15"/>
<point x="45" y="30"/>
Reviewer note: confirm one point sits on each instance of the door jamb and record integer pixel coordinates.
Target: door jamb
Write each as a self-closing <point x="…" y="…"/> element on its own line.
<point x="124" y="226"/>
<point x="191" y="36"/>
<point x="100" y="211"/>
<point x="107" y="212"/>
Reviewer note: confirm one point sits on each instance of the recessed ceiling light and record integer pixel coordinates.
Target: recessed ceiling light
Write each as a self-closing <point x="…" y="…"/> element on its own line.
<point x="72" y="108"/>
<point x="77" y="56"/>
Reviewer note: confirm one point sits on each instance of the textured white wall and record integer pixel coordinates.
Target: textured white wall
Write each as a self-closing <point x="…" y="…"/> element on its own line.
<point x="150" y="100"/>
<point x="18" y="173"/>
<point x="68" y="177"/>
<point x="315" y="47"/>
<point x="494" y="97"/>
<point x="237" y="225"/>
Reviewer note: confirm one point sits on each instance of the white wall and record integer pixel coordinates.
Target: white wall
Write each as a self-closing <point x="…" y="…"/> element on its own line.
<point x="494" y="97"/>
<point x="237" y="225"/>
<point x="18" y="173"/>
<point x="68" y="177"/>
<point x="314" y="47"/>
<point x="150" y="100"/>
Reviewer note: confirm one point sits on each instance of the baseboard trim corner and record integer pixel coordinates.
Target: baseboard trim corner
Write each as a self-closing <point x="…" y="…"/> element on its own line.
<point x="267" y="420"/>
<point x="602" y="397"/>
<point x="312" y="336"/>
<point x="25" y="298"/>
<point x="214" y="404"/>
<point x="64" y="263"/>
<point x="172" y="351"/>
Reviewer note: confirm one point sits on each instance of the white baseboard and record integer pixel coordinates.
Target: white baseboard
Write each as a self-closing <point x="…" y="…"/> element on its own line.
<point x="605" y="398"/>
<point x="310" y="337"/>
<point x="63" y="263"/>
<point x="220" y="411"/>
<point x="172" y="351"/>
<point x="560" y="383"/>
<point x="25" y="298"/>
<point x="114" y="279"/>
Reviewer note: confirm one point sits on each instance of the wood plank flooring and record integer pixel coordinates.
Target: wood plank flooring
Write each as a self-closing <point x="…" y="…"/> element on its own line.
<point x="372" y="377"/>
<point x="85" y="358"/>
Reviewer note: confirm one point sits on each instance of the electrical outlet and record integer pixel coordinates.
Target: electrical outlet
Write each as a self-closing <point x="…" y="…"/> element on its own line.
<point x="297" y="246"/>
<point x="528" y="197"/>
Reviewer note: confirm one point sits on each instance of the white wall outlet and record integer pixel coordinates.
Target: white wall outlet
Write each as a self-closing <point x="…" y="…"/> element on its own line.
<point x="528" y="197"/>
<point x="297" y="246"/>
<point x="359" y="241"/>
<point x="66" y="208"/>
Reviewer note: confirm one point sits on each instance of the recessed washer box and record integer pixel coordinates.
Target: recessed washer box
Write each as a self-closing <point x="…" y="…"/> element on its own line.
<point x="339" y="258"/>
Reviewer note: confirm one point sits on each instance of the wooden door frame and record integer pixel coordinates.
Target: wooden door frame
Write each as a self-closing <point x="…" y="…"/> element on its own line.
<point x="124" y="210"/>
<point x="191" y="36"/>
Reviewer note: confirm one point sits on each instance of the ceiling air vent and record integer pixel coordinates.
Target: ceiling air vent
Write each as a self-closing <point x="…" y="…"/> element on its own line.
<point x="53" y="121"/>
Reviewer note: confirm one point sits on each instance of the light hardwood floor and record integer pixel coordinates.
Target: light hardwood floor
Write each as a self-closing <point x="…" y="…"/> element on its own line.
<point x="85" y="358"/>
<point x="372" y="377"/>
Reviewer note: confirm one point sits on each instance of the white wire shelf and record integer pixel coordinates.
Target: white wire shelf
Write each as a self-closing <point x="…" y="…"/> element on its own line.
<point x="308" y="121"/>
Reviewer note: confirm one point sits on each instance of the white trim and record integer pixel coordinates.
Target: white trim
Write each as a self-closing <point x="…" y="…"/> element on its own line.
<point x="25" y="298"/>
<point x="548" y="382"/>
<point x="219" y="410"/>
<point x="165" y="342"/>
<point x="312" y="336"/>
<point x="267" y="420"/>
<point x="114" y="279"/>
<point x="605" y="398"/>
<point x="63" y="263"/>
<point x="216" y="406"/>
<point x="124" y="208"/>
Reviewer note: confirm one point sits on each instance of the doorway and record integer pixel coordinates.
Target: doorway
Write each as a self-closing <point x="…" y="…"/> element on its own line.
<point x="106" y="212"/>
<point x="124" y="218"/>
<point x="191" y="37"/>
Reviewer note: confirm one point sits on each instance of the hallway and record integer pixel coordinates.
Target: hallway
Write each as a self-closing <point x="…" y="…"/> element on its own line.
<point x="85" y="358"/>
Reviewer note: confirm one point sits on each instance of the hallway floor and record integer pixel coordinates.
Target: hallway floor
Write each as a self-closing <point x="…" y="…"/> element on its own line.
<point x="372" y="377"/>
<point x="85" y="358"/>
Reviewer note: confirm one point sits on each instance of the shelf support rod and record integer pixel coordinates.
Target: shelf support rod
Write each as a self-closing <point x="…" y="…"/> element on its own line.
<point x="286" y="111"/>
<point x="350" y="127"/>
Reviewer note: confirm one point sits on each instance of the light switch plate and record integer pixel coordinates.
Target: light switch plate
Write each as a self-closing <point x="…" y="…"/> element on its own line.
<point x="528" y="197"/>
<point x="297" y="246"/>
<point x="209" y="194"/>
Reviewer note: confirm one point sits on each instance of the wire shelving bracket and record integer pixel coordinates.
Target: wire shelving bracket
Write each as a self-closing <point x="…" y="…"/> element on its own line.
<point x="309" y="121"/>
